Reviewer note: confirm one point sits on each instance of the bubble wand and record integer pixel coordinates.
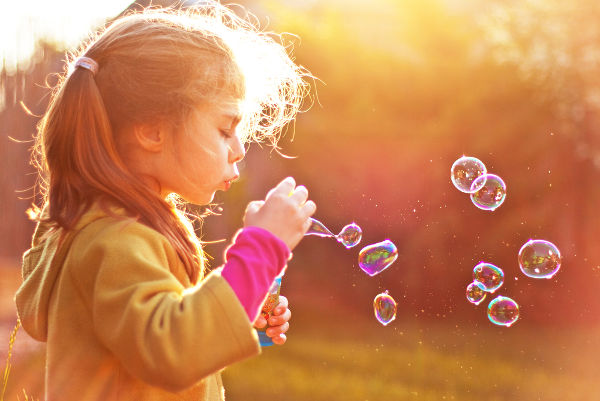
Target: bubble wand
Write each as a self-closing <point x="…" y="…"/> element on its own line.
<point x="349" y="236"/>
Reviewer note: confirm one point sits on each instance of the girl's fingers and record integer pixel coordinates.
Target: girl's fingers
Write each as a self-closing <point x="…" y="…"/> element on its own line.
<point x="275" y="331"/>
<point x="284" y="188"/>
<point x="309" y="208"/>
<point x="280" y="319"/>
<point x="260" y="322"/>
<point x="280" y="339"/>
<point x="254" y="206"/>
<point x="300" y="195"/>
<point x="281" y="306"/>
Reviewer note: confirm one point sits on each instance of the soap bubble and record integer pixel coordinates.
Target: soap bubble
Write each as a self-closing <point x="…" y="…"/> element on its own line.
<point x="503" y="311"/>
<point x="539" y="259"/>
<point x="464" y="171"/>
<point x="476" y="292"/>
<point x="319" y="229"/>
<point x="489" y="275"/>
<point x="375" y="258"/>
<point x="385" y="308"/>
<point x="350" y="235"/>
<point x="491" y="192"/>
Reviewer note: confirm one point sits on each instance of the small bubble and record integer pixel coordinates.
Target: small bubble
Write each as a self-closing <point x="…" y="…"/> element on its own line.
<point x="476" y="292"/>
<point x="489" y="275"/>
<point x="384" y="307"/>
<point x="465" y="171"/>
<point x="350" y="235"/>
<point x="503" y="311"/>
<point x="491" y="193"/>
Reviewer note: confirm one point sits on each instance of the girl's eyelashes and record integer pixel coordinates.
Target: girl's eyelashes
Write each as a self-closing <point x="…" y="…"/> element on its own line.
<point x="226" y="133"/>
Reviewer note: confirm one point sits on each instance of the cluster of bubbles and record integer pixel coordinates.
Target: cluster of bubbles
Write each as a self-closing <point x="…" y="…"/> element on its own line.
<point x="537" y="259"/>
<point x="372" y="259"/>
<point x="469" y="175"/>
<point x="487" y="278"/>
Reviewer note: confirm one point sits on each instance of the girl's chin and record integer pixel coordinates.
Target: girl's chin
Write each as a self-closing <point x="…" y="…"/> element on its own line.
<point x="198" y="199"/>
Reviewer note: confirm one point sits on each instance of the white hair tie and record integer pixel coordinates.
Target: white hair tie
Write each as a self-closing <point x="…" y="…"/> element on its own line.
<point x="88" y="64"/>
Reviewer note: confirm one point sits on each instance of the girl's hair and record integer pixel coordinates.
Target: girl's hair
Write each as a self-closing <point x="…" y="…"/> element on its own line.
<point x="156" y="66"/>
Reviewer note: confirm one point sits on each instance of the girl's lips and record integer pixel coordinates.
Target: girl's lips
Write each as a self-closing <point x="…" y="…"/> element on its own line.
<point x="229" y="182"/>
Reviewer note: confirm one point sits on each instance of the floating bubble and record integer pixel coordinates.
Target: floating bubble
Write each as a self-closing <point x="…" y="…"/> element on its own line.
<point x="491" y="193"/>
<point x="385" y="308"/>
<point x="465" y="171"/>
<point x="476" y="292"/>
<point x="489" y="275"/>
<point x="503" y="311"/>
<point x="350" y="235"/>
<point x="539" y="259"/>
<point x="375" y="258"/>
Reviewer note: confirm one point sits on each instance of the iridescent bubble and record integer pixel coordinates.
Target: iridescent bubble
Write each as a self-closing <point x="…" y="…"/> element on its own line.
<point x="503" y="311"/>
<point x="375" y="258"/>
<point x="476" y="292"/>
<point x="466" y="170"/>
<point x="489" y="275"/>
<point x="539" y="258"/>
<point x="491" y="192"/>
<point x="385" y="308"/>
<point x="319" y="229"/>
<point x="350" y="235"/>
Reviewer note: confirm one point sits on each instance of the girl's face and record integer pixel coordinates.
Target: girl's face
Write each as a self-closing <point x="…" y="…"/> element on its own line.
<point x="202" y="154"/>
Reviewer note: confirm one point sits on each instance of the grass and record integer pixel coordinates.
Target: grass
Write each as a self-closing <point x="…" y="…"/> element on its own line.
<point x="7" y="368"/>
<point x="428" y="362"/>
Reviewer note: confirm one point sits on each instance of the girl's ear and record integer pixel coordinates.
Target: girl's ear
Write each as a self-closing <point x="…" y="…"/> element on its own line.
<point x="150" y="137"/>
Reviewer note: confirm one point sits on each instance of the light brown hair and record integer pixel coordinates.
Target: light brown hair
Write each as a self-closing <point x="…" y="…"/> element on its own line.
<point x="156" y="66"/>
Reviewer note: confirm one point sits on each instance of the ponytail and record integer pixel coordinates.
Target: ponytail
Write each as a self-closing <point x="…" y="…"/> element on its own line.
<point x="84" y="166"/>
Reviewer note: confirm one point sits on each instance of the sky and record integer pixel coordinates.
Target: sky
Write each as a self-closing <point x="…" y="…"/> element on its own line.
<point x="67" y="22"/>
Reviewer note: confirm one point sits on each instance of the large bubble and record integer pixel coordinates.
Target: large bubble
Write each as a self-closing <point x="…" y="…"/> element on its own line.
<point x="375" y="258"/>
<point x="539" y="259"/>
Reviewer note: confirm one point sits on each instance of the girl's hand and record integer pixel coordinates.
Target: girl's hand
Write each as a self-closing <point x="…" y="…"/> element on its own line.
<point x="278" y="322"/>
<point x="285" y="212"/>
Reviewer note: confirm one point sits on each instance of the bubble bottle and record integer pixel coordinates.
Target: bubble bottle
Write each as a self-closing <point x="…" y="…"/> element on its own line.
<point x="270" y="304"/>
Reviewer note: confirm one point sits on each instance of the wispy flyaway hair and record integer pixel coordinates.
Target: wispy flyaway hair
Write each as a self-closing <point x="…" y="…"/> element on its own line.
<point x="157" y="66"/>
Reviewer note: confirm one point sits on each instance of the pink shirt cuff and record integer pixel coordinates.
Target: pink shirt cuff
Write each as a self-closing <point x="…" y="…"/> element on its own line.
<point x="252" y="261"/>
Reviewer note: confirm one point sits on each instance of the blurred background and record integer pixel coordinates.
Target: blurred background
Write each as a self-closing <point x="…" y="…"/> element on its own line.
<point x="403" y="89"/>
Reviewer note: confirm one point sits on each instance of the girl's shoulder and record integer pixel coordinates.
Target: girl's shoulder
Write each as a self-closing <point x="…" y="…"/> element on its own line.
<point x="118" y="244"/>
<point x="115" y="231"/>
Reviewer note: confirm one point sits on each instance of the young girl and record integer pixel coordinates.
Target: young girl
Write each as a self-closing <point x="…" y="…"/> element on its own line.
<point x="160" y="103"/>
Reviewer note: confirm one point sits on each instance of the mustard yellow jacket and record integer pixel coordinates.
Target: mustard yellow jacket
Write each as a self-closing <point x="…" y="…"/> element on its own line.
<point x="121" y="318"/>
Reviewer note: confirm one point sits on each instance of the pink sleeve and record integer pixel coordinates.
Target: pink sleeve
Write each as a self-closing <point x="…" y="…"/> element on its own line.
<point x="252" y="262"/>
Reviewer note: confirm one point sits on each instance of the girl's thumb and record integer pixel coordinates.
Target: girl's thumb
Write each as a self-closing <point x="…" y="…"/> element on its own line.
<point x="254" y="206"/>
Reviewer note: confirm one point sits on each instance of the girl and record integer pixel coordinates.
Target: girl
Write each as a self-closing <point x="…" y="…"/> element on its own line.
<point x="160" y="103"/>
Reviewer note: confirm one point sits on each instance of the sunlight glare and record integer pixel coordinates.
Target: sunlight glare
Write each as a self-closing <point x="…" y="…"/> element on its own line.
<point x="62" y="22"/>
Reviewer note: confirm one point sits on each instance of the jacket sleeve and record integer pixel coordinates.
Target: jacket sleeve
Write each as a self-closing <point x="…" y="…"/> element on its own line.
<point x="163" y="333"/>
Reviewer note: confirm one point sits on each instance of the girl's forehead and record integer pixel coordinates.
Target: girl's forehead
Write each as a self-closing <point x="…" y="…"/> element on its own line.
<point x="228" y="107"/>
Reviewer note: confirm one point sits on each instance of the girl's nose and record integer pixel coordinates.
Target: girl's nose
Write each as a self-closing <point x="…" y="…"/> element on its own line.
<point x="237" y="151"/>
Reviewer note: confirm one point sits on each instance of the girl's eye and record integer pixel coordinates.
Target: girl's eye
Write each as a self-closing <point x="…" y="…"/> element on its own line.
<point x="226" y="134"/>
